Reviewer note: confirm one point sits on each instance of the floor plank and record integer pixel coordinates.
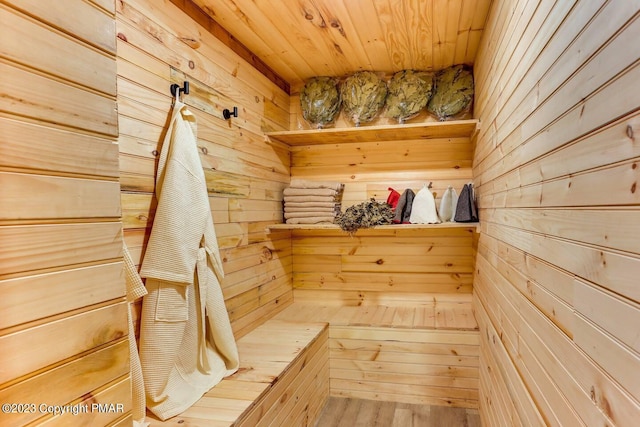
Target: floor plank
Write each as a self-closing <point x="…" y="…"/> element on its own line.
<point x="348" y="412"/>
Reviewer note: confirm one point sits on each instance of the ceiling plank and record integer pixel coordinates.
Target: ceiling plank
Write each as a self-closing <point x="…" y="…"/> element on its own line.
<point x="201" y="17"/>
<point x="300" y="39"/>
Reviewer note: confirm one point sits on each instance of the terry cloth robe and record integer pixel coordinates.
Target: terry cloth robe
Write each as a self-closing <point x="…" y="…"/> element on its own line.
<point x="135" y="290"/>
<point x="186" y="341"/>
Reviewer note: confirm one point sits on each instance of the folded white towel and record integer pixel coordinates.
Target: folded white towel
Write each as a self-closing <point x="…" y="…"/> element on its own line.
<point x="310" y="192"/>
<point x="303" y="183"/>
<point x="330" y="199"/>
<point x="311" y="220"/>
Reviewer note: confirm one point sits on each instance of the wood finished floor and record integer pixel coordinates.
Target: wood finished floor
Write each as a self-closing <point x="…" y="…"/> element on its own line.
<point x="345" y="412"/>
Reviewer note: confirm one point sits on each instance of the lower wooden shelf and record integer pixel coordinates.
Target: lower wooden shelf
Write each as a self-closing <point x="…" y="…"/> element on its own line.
<point x="443" y="225"/>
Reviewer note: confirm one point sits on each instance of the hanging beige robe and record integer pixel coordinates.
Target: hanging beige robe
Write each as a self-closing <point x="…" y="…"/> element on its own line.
<point x="186" y="342"/>
<point x="135" y="290"/>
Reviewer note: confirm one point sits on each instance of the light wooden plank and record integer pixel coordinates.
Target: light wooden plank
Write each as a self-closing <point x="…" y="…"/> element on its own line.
<point x="609" y="269"/>
<point x="109" y="405"/>
<point x="66" y="197"/>
<point x="29" y="42"/>
<point x="37" y="247"/>
<point x="590" y="226"/>
<point x="388" y="376"/>
<point x="405" y="398"/>
<point x="35" y="297"/>
<point x="95" y="27"/>
<point x="381" y="246"/>
<point x="372" y="133"/>
<point x="445" y="225"/>
<point x="405" y="358"/>
<point x="389" y="334"/>
<point x="36" y="146"/>
<point x="431" y="264"/>
<point x="581" y="367"/>
<point x="33" y="95"/>
<point x="60" y="339"/>
<point x="65" y="383"/>
<point x="346" y="344"/>
<point x="592" y="303"/>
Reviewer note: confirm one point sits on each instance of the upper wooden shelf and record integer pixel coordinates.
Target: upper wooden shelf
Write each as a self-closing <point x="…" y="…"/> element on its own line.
<point x="425" y="130"/>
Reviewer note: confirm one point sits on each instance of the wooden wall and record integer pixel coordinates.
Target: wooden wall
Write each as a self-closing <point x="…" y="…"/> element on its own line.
<point x="158" y="44"/>
<point x="63" y="328"/>
<point x="556" y="166"/>
<point x="376" y="267"/>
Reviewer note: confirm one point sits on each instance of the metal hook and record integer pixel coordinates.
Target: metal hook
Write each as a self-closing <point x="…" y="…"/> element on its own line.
<point x="176" y="89"/>
<point x="228" y="114"/>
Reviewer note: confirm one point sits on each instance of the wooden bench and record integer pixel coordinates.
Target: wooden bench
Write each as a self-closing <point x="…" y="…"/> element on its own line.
<point x="283" y="380"/>
<point x="425" y="354"/>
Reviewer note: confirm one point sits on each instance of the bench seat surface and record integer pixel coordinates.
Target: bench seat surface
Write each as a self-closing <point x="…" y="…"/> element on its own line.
<point x="271" y="357"/>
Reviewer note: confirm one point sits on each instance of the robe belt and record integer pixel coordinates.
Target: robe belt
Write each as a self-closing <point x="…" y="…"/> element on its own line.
<point x="201" y="301"/>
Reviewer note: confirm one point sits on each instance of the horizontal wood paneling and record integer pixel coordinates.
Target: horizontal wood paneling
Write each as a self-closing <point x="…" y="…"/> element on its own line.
<point x="31" y="94"/>
<point x="40" y="47"/>
<point x="38" y="296"/>
<point x="406" y="265"/>
<point x="158" y="46"/>
<point x="63" y="333"/>
<point x="413" y="352"/>
<point x="95" y="27"/>
<point x="68" y="197"/>
<point x="52" y="246"/>
<point x="556" y="170"/>
<point x="55" y="341"/>
<point x="65" y="383"/>
<point x="27" y="145"/>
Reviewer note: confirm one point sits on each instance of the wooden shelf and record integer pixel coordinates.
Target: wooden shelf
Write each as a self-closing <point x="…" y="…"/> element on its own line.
<point x="425" y="130"/>
<point x="443" y="225"/>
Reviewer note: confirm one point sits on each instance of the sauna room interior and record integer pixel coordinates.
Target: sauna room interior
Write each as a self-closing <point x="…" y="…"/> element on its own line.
<point x="529" y="316"/>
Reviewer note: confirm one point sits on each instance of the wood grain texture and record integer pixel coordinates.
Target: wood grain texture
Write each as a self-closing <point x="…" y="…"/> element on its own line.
<point x="450" y="129"/>
<point x="383" y="264"/>
<point x="158" y="46"/>
<point x="96" y="27"/>
<point x="79" y="377"/>
<point x="64" y="329"/>
<point x="302" y="39"/>
<point x="412" y="353"/>
<point x="555" y="171"/>
<point x="282" y="379"/>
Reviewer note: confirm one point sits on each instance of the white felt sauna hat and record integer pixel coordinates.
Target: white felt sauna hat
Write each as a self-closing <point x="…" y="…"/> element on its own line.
<point x="448" y="204"/>
<point x="423" y="210"/>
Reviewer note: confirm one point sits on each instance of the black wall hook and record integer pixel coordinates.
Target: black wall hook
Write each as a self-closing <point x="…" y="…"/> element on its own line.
<point x="228" y="114"/>
<point x="176" y="89"/>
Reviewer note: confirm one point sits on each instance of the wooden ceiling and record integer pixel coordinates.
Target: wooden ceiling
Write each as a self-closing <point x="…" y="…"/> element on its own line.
<point x="299" y="39"/>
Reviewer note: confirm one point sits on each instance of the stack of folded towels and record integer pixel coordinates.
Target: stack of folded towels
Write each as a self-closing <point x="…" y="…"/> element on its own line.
<point x="312" y="202"/>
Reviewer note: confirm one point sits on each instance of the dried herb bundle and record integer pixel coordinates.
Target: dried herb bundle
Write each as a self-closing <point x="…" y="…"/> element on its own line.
<point x="364" y="215"/>
<point x="320" y="101"/>
<point x="452" y="93"/>
<point x="363" y="95"/>
<point x="409" y="92"/>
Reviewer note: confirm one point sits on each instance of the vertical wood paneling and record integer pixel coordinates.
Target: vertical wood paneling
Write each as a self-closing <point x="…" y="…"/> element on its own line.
<point x="555" y="290"/>
<point x="159" y="45"/>
<point x="63" y="334"/>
